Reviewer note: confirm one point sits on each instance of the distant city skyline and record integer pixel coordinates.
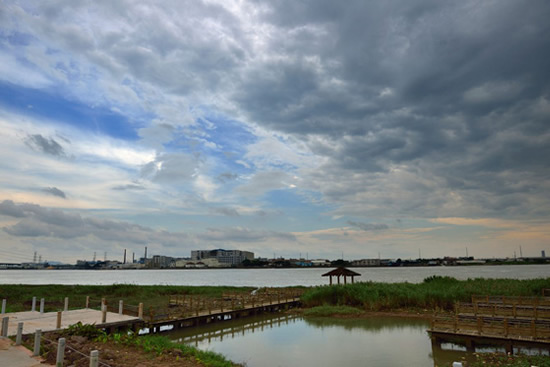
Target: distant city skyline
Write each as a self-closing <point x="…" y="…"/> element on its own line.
<point x="397" y="127"/>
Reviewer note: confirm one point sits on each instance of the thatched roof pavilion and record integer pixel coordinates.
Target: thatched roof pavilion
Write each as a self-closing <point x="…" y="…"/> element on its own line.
<point x="341" y="271"/>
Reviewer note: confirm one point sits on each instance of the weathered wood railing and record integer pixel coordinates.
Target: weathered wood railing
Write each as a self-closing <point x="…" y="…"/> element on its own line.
<point x="488" y="326"/>
<point x="185" y="305"/>
<point x="509" y="300"/>
<point x="504" y="310"/>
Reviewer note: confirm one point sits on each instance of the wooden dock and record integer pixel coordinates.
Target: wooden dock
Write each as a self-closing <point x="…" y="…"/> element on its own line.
<point x="506" y="321"/>
<point x="180" y="316"/>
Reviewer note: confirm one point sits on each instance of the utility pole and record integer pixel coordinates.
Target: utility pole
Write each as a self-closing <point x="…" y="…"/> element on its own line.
<point x="34" y="258"/>
<point x="94" y="256"/>
<point x="105" y="256"/>
<point x="467" y="252"/>
<point x="520" y="252"/>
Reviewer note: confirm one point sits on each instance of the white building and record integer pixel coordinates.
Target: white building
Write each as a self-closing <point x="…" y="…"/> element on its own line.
<point x="229" y="257"/>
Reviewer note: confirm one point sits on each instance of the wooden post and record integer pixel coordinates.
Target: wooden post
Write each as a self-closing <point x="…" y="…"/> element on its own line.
<point x="5" y="324"/>
<point x="120" y="307"/>
<point x="33" y="304"/>
<point x="60" y="352"/>
<point x="103" y="313"/>
<point x="19" y="333"/>
<point x="66" y="304"/>
<point x="103" y="302"/>
<point x="94" y="358"/>
<point x="140" y="311"/>
<point x="42" y="305"/>
<point x="3" y="306"/>
<point x="456" y="324"/>
<point x="87" y="301"/>
<point x="58" y="323"/>
<point x="479" y="325"/>
<point x="37" y="336"/>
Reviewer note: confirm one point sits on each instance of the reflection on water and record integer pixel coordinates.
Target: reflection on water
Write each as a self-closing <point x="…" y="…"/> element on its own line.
<point x="290" y="340"/>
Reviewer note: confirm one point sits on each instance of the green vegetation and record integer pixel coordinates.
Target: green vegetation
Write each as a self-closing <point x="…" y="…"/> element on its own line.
<point x="158" y="345"/>
<point x="433" y="293"/>
<point x="327" y="311"/>
<point x="499" y="359"/>
<point x="19" y="296"/>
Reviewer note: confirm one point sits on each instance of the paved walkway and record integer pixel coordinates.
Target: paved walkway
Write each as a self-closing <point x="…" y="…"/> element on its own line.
<point x="33" y="320"/>
<point x="17" y="356"/>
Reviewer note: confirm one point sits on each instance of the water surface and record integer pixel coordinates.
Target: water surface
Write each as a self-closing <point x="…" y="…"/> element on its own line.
<point x="264" y="277"/>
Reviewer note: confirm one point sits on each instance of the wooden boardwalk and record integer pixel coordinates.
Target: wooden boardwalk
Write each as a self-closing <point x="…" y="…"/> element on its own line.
<point x="48" y="321"/>
<point x="159" y="322"/>
<point x="505" y="321"/>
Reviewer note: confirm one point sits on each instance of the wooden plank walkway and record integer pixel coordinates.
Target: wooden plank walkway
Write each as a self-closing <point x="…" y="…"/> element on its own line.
<point x="160" y="322"/>
<point x="506" y="321"/>
<point x="47" y="321"/>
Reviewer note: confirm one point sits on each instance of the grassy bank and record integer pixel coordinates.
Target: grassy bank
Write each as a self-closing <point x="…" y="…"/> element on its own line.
<point x="19" y="296"/>
<point x="125" y="350"/>
<point x="433" y="293"/>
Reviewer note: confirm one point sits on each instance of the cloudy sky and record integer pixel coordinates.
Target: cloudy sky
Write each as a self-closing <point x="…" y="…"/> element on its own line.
<point x="279" y="127"/>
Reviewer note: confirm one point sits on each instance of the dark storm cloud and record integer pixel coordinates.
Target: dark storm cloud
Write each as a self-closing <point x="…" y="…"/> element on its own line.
<point x="55" y="192"/>
<point x="422" y="108"/>
<point x="8" y="207"/>
<point x="45" y="145"/>
<point x="37" y="221"/>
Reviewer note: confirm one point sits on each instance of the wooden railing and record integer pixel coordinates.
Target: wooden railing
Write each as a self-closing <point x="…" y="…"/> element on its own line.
<point x="185" y="305"/>
<point x="490" y="327"/>
<point x="505" y="310"/>
<point x="506" y="300"/>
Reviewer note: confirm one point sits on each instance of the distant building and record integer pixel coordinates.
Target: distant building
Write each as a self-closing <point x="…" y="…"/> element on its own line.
<point x="366" y="262"/>
<point x="227" y="257"/>
<point x="159" y="261"/>
<point x="204" y="263"/>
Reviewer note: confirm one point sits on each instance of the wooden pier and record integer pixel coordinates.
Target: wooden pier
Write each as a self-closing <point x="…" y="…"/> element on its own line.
<point x="188" y="311"/>
<point x="502" y="321"/>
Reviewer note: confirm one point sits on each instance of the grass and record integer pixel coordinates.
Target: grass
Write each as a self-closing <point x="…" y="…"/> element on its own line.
<point x="499" y="359"/>
<point x="19" y="296"/>
<point x="433" y="293"/>
<point x="154" y="344"/>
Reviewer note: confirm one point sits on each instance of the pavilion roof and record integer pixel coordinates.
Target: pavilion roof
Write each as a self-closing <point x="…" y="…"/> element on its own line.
<point x="341" y="271"/>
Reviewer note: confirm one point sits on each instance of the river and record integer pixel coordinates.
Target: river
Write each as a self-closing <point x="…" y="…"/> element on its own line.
<point x="264" y="277"/>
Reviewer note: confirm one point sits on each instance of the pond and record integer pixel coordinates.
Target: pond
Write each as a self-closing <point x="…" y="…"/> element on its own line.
<point x="291" y="340"/>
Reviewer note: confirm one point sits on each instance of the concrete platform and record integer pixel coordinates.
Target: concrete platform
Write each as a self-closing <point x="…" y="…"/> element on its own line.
<point x="33" y="320"/>
<point x="17" y="356"/>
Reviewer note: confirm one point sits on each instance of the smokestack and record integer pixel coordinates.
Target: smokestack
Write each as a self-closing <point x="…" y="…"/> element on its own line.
<point x="124" y="256"/>
<point x="145" y="252"/>
<point x="133" y="257"/>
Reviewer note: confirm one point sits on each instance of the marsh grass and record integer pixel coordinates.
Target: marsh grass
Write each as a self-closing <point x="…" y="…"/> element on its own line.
<point x="433" y="293"/>
<point x="19" y="296"/>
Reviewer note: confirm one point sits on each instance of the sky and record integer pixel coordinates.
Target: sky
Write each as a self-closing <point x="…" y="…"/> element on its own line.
<point x="318" y="129"/>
